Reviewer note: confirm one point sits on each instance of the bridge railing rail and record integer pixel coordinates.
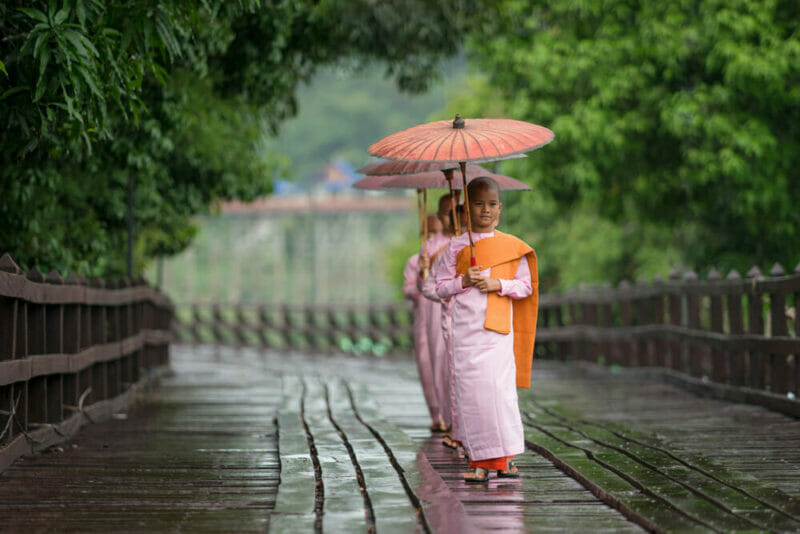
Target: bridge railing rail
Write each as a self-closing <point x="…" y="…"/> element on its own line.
<point x="72" y="350"/>
<point x="735" y="331"/>
<point x="359" y="329"/>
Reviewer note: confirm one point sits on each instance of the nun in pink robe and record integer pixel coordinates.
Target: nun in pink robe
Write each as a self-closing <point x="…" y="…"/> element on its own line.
<point x="483" y="360"/>
<point x="412" y="293"/>
<point x="429" y="290"/>
<point x="436" y="344"/>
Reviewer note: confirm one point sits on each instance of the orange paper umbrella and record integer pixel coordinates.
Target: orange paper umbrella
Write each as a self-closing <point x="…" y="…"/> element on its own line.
<point x="462" y="141"/>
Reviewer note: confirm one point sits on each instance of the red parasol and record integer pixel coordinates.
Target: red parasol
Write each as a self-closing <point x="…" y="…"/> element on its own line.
<point x="382" y="168"/>
<point x="462" y="141"/>
<point x="438" y="180"/>
<point x="372" y="182"/>
<point x="379" y="182"/>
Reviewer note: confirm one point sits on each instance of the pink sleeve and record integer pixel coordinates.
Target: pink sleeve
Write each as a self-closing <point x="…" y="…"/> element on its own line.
<point x="520" y="286"/>
<point x="447" y="283"/>
<point x="429" y="286"/>
<point x="410" y="275"/>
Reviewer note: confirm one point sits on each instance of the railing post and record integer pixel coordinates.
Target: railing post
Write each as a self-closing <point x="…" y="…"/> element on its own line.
<point x="37" y="345"/>
<point x="71" y="342"/>
<point x="562" y="347"/>
<point x="719" y="368"/>
<point x="757" y="370"/>
<point x="100" y="335"/>
<point x="796" y="298"/>
<point x="642" y="317"/>
<point x="659" y="345"/>
<point x="9" y="335"/>
<point x="696" y="353"/>
<point x="628" y="355"/>
<point x="605" y="320"/>
<point x="675" y="319"/>
<point x="781" y="374"/>
<point x="737" y="360"/>
<point x="54" y="320"/>
<point x="577" y="345"/>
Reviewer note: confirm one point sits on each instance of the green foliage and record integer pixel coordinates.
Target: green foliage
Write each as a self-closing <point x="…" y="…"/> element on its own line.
<point x="355" y="109"/>
<point x="169" y="94"/>
<point x="676" y="126"/>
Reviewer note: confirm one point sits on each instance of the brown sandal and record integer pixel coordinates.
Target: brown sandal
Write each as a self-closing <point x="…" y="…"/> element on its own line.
<point x="511" y="472"/>
<point x="480" y="476"/>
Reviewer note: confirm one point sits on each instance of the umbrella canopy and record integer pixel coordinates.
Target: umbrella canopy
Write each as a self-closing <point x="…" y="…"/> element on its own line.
<point x="381" y="168"/>
<point x="462" y="140"/>
<point x="372" y="182"/>
<point x="438" y="180"/>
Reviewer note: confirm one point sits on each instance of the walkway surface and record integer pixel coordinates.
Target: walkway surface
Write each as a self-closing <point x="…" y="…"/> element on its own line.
<point x="242" y="441"/>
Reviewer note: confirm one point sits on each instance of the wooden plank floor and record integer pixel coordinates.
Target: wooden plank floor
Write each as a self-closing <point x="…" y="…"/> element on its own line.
<point x="199" y="455"/>
<point x="347" y="439"/>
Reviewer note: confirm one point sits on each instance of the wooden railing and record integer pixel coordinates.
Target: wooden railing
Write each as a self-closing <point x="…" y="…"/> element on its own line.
<point x="376" y="330"/>
<point x="72" y="351"/>
<point x="736" y="331"/>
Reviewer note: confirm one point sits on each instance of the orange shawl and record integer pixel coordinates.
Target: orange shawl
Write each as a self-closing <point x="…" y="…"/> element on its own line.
<point x="503" y="253"/>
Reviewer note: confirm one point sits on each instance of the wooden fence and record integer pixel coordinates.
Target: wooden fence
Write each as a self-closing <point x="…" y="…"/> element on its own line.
<point x="736" y="331"/>
<point x="72" y="352"/>
<point x="378" y="330"/>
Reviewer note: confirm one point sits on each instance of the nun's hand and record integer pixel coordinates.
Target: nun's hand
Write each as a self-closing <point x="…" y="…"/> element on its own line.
<point x="488" y="285"/>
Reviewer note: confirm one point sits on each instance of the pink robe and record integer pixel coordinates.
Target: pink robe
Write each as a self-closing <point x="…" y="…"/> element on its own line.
<point x="421" y="352"/>
<point x="483" y="360"/>
<point x="443" y="373"/>
<point x="436" y="343"/>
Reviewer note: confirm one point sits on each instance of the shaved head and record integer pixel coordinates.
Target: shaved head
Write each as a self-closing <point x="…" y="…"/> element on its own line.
<point x="482" y="183"/>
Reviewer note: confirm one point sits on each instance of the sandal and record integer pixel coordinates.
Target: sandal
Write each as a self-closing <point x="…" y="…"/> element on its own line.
<point x="448" y="442"/>
<point x="438" y="428"/>
<point x="479" y="476"/>
<point x="511" y="472"/>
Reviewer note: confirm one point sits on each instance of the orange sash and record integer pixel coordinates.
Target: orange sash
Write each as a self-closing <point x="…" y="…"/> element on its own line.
<point x="503" y="253"/>
<point x="437" y="253"/>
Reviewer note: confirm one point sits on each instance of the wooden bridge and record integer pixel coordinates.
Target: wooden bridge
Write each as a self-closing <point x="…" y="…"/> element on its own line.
<point x="665" y="406"/>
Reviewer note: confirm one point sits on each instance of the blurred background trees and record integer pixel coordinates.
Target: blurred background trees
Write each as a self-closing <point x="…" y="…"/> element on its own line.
<point x="677" y="131"/>
<point x="676" y="122"/>
<point x="171" y="95"/>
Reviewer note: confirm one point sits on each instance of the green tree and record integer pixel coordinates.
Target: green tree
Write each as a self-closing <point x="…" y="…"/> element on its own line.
<point x="169" y="93"/>
<point x="676" y="121"/>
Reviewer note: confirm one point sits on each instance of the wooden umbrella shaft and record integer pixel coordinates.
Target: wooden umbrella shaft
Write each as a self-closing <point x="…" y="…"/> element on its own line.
<point x="422" y="201"/>
<point x="456" y="223"/>
<point x="472" y="261"/>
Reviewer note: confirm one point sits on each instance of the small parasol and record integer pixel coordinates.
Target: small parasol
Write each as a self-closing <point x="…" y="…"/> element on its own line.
<point x="379" y="183"/>
<point x="462" y="141"/>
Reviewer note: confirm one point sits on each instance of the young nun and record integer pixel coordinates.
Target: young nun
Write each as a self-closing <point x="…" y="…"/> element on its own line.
<point x="420" y="335"/>
<point x="493" y="328"/>
<point x="433" y="314"/>
<point x="451" y="440"/>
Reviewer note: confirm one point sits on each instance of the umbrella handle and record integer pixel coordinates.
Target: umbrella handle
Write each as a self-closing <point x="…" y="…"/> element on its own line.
<point x="456" y="223"/>
<point x="423" y="219"/>
<point x="463" y="165"/>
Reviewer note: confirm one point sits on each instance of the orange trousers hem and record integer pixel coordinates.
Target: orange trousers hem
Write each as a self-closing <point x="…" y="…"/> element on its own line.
<point x="498" y="464"/>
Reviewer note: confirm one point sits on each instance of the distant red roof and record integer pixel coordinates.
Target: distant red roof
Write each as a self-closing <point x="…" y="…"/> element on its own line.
<point x="308" y="204"/>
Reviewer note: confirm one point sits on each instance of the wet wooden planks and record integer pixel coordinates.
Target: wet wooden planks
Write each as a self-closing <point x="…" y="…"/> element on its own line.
<point x="544" y="499"/>
<point x="680" y="461"/>
<point x="199" y="455"/>
<point x="354" y="452"/>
